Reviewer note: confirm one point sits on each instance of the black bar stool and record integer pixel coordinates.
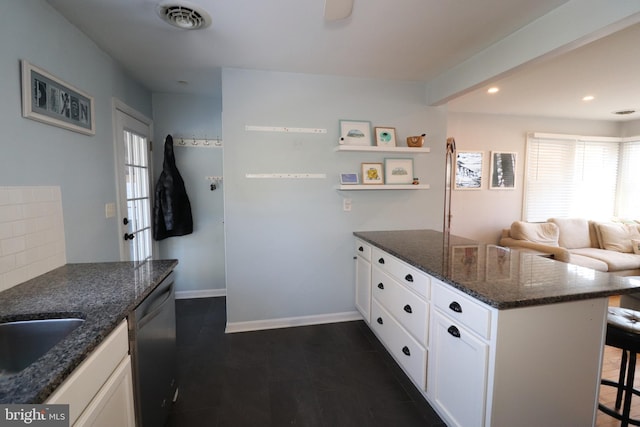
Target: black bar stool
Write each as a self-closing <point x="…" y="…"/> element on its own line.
<point x="623" y="332"/>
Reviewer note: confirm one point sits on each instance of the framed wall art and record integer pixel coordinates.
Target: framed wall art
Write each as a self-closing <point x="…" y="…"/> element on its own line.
<point x="385" y="137"/>
<point x="398" y="171"/>
<point x="348" y="178"/>
<point x="503" y="171"/>
<point x="372" y="173"/>
<point x="47" y="99"/>
<point x="468" y="170"/>
<point x="354" y="132"/>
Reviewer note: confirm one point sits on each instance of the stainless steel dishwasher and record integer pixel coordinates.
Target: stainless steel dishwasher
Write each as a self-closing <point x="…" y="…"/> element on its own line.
<point x="152" y="335"/>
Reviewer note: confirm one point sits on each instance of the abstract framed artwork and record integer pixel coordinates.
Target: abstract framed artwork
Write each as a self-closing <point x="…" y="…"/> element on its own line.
<point x="503" y="170"/>
<point x="385" y="137"/>
<point x="468" y="170"/>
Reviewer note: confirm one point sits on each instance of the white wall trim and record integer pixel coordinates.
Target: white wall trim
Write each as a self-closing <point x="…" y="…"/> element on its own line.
<point x="205" y="293"/>
<point x="288" y="322"/>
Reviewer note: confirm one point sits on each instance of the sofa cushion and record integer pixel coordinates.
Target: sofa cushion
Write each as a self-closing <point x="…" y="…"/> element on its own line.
<point x="544" y="233"/>
<point x="587" y="261"/>
<point x="635" y="243"/>
<point x="615" y="260"/>
<point x="574" y="232"/>
<point x="617" y="236"/>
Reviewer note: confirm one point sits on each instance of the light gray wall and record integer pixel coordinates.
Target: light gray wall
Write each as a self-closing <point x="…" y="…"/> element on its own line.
<point x="201" y="254"/>
<point x="289" y="244"/>
<point x="630" y="128"/>
<point x="482" y="214"/>
<point x="38" y="154"/>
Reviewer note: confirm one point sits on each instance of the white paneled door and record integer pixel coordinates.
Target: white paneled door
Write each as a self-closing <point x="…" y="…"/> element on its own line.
<point x="134" y="188"/>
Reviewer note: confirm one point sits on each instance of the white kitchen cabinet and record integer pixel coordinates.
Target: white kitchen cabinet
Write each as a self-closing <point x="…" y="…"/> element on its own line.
<point x="457" y="371"/>
<point x="100" y="391"/>
<point x="399" y="310"/>
<point x="523" y="366"/>
<point x="363" y="279"/>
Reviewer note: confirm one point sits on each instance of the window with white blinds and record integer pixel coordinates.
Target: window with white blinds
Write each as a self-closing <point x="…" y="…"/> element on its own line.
<point x="570" y="177"/>
<point x="628" y="197"/>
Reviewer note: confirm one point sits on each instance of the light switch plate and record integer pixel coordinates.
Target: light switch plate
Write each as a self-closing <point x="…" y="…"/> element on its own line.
<point x="109" y="210"/>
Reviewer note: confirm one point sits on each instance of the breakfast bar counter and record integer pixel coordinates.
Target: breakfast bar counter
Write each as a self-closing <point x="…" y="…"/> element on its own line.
<point x="490" y="336"/>
<point x="497" y="276"/>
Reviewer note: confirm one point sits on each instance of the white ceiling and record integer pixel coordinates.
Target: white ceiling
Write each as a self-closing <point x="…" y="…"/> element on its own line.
<point x="413" y="40"/>
<point x="608" y="69"/>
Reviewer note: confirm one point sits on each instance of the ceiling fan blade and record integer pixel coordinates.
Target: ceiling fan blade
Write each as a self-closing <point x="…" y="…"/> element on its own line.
<point x="337" y="9"/>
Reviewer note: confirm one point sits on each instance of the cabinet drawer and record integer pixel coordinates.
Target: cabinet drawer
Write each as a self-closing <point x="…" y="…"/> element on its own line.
<point x="409" y="309"/>
<point x="407" y="275"/>
<point x="363" y="249"/>
<point x="462" y="309"/>
<point x="404" y="348"/>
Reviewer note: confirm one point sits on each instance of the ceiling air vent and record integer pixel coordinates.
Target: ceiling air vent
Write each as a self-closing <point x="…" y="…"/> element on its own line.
<point x="624" y="112"/>
<point x="184" y="16"/>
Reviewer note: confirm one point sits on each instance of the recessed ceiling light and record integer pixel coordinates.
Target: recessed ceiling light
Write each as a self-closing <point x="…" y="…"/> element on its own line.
<point x="183" y="15"/>
<point x="493" y="90"/>
<point x="588" y="98"/>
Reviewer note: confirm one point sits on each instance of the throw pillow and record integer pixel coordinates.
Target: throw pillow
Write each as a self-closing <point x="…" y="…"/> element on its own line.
<point x="574" y="232"/>
<point x="618" y="237"/>
<point x="544" y="233"/>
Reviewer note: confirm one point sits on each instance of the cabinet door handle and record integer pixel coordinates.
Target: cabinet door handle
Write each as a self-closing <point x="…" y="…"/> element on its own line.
<point x="407" y="308"/>
<point x="406" y="351"/>
<point x="380" y="285"/>
<point x="381" y="261"/>
<point x="379" y="320"/>
<point x="454" y="331"/>
<point x="455" y="307"/>
<point x="361" y="249"/>
<point x="408" y="278"/>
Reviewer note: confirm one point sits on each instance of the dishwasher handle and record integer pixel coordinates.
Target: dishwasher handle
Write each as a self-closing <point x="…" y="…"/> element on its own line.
<point x="166" y="296"/>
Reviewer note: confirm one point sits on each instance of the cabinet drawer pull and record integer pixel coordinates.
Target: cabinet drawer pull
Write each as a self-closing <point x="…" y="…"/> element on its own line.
<point x="406" y="351"/>
<point x="380" y="285"/>
<point x="455" y="307"/>
<point x="454" y="331"/>
<point x="407" y="308"/>
<point x="381" y="261"/>
<point x="408" y="278"/>
<point x="361" y="249"/>
<point x="379" y="320"/>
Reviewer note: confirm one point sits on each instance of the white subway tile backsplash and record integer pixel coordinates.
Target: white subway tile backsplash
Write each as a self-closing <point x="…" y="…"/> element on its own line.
<point x="31" y="233"/>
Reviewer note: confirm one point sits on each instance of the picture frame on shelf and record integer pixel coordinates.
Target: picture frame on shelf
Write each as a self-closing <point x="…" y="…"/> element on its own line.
<point x="468" y="173"/>
<point x="355" y="132"/>
<point x="398" y="171"/>
<point x="503" y="170"/>
<point x="47" y="99"/>
<point x="385" y="136"/>
<point x="349" y="178"/>
<point x="372" y="173"/>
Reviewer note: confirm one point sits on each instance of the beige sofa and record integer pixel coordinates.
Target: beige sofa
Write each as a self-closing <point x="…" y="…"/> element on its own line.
<point x="603" y="246"/>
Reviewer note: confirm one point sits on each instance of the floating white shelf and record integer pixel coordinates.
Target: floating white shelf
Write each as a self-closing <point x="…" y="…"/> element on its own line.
<point x="375" y="148"/>
<point x="383" y="187"/>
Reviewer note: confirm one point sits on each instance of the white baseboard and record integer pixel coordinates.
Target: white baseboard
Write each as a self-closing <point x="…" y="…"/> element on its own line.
<point x="257" y="325"/>
<point x="205" y="293"/>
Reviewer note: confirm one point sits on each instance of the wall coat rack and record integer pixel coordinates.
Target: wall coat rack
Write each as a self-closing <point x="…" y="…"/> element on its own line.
<point x="198" y="143"/>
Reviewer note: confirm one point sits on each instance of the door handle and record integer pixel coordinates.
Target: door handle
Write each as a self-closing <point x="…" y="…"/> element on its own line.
<point x="128" y="236"/>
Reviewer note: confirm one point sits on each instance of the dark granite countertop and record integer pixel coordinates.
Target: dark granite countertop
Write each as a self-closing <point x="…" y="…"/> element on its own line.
<point x="101" y="293"/>
<point x="500" y="277"/>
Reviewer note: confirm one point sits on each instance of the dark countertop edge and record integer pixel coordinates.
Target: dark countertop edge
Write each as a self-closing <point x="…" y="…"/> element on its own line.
<point x="500" y="305"/>
<point x="89" y="345"/>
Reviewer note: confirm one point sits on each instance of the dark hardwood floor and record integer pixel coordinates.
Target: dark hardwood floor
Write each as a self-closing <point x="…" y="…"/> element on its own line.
<point x="326" y="375"/>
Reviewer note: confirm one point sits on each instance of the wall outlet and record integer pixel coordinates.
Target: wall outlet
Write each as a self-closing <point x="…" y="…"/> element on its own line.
<point x="346" y="205"/>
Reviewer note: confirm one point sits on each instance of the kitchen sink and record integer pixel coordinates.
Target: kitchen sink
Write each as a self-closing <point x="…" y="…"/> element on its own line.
<point x="23" y="342"/>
